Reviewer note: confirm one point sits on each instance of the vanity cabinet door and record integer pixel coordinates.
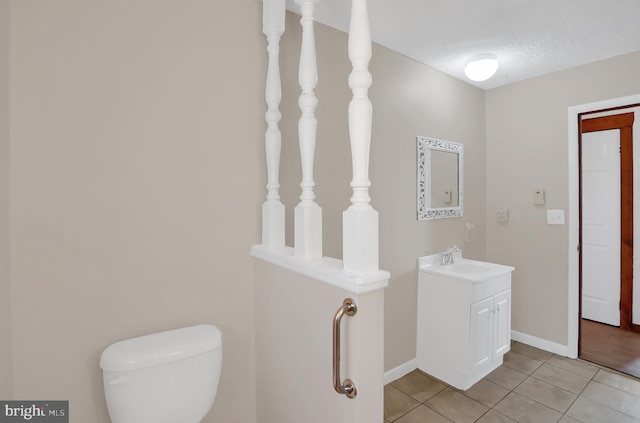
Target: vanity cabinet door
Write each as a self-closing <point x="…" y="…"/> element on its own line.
<point x="502" y="307"/>
<point x="481" y="334"/>
<point x="490" y="330"/>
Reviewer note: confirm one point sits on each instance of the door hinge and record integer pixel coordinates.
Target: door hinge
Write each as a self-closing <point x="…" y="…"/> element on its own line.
<point x="578" y="248"/>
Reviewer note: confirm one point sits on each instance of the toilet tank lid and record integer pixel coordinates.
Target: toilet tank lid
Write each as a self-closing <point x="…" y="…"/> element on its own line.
<point x="159" y="348"/>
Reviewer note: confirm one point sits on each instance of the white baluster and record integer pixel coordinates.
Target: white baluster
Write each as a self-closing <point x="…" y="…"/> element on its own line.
<point x="307" y="215"/>
<point x="273" y="15"/>
<point x="360" y="220"/>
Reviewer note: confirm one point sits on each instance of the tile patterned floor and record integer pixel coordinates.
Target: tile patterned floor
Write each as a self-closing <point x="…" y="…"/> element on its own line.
<point x="532" y="386"/>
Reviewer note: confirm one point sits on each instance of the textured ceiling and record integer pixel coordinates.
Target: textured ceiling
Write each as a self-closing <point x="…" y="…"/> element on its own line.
<point x="530" y="38"/>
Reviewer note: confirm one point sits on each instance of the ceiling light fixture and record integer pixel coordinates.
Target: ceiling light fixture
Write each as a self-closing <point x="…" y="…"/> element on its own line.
<point x="481" y="67"/>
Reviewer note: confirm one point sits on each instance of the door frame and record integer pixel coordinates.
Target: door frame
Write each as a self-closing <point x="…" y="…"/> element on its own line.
<point x="573" y="222"/>
<point x="624" y="123"/>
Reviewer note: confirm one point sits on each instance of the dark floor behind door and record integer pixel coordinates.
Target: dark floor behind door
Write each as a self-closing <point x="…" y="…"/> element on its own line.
<point x="610" y="346"/>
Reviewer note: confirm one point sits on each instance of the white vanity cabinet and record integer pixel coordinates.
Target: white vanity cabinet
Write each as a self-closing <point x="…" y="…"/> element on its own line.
<point x="464" y="321"/>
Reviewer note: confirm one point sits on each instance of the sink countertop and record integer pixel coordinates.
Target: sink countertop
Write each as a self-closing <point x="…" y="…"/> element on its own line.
<point x="462" y="269"/>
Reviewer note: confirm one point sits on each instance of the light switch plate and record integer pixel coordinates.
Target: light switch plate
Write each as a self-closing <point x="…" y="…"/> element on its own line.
<point x="555" y="217"/>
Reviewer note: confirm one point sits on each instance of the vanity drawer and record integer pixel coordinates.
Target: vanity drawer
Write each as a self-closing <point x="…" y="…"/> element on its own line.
<point x="488" y="288"/>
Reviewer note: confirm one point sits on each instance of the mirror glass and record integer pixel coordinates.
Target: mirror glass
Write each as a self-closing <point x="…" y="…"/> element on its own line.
<point x="439" y="178"/>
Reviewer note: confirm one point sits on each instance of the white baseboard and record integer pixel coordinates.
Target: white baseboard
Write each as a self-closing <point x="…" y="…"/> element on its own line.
<point x="543" y="344"/>
<point x="401" y="370"/>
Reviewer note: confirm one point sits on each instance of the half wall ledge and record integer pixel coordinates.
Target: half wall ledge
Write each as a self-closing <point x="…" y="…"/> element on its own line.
<point x="325" y="269"/>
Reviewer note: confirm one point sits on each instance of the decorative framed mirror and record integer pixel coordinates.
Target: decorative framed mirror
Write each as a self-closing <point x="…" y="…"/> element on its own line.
<point x="439" y="178"/>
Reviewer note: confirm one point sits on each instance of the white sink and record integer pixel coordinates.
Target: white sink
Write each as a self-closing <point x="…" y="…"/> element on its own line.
<point x="469" y="267"/>
<point x="463" y="269"/>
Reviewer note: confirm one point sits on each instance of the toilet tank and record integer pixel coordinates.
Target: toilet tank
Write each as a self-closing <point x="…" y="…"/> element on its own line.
<point x="164" y="377"/>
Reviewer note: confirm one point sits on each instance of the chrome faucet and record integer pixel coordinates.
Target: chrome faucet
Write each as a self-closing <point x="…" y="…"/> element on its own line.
<point x="447" y="256"/>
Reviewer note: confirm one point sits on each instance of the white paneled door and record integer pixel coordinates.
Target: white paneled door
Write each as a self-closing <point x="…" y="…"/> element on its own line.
<point x="601" y="226"/>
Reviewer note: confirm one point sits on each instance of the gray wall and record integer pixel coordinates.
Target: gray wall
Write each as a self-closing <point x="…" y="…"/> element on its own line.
<point x="527" y="149"/>
<point x="409" y="99"/>
<point x="5" y="293"/>
<point x="136" y="178"/>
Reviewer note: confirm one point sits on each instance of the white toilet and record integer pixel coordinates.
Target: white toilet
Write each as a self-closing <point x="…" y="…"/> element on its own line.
<point x="166" y="377"/>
